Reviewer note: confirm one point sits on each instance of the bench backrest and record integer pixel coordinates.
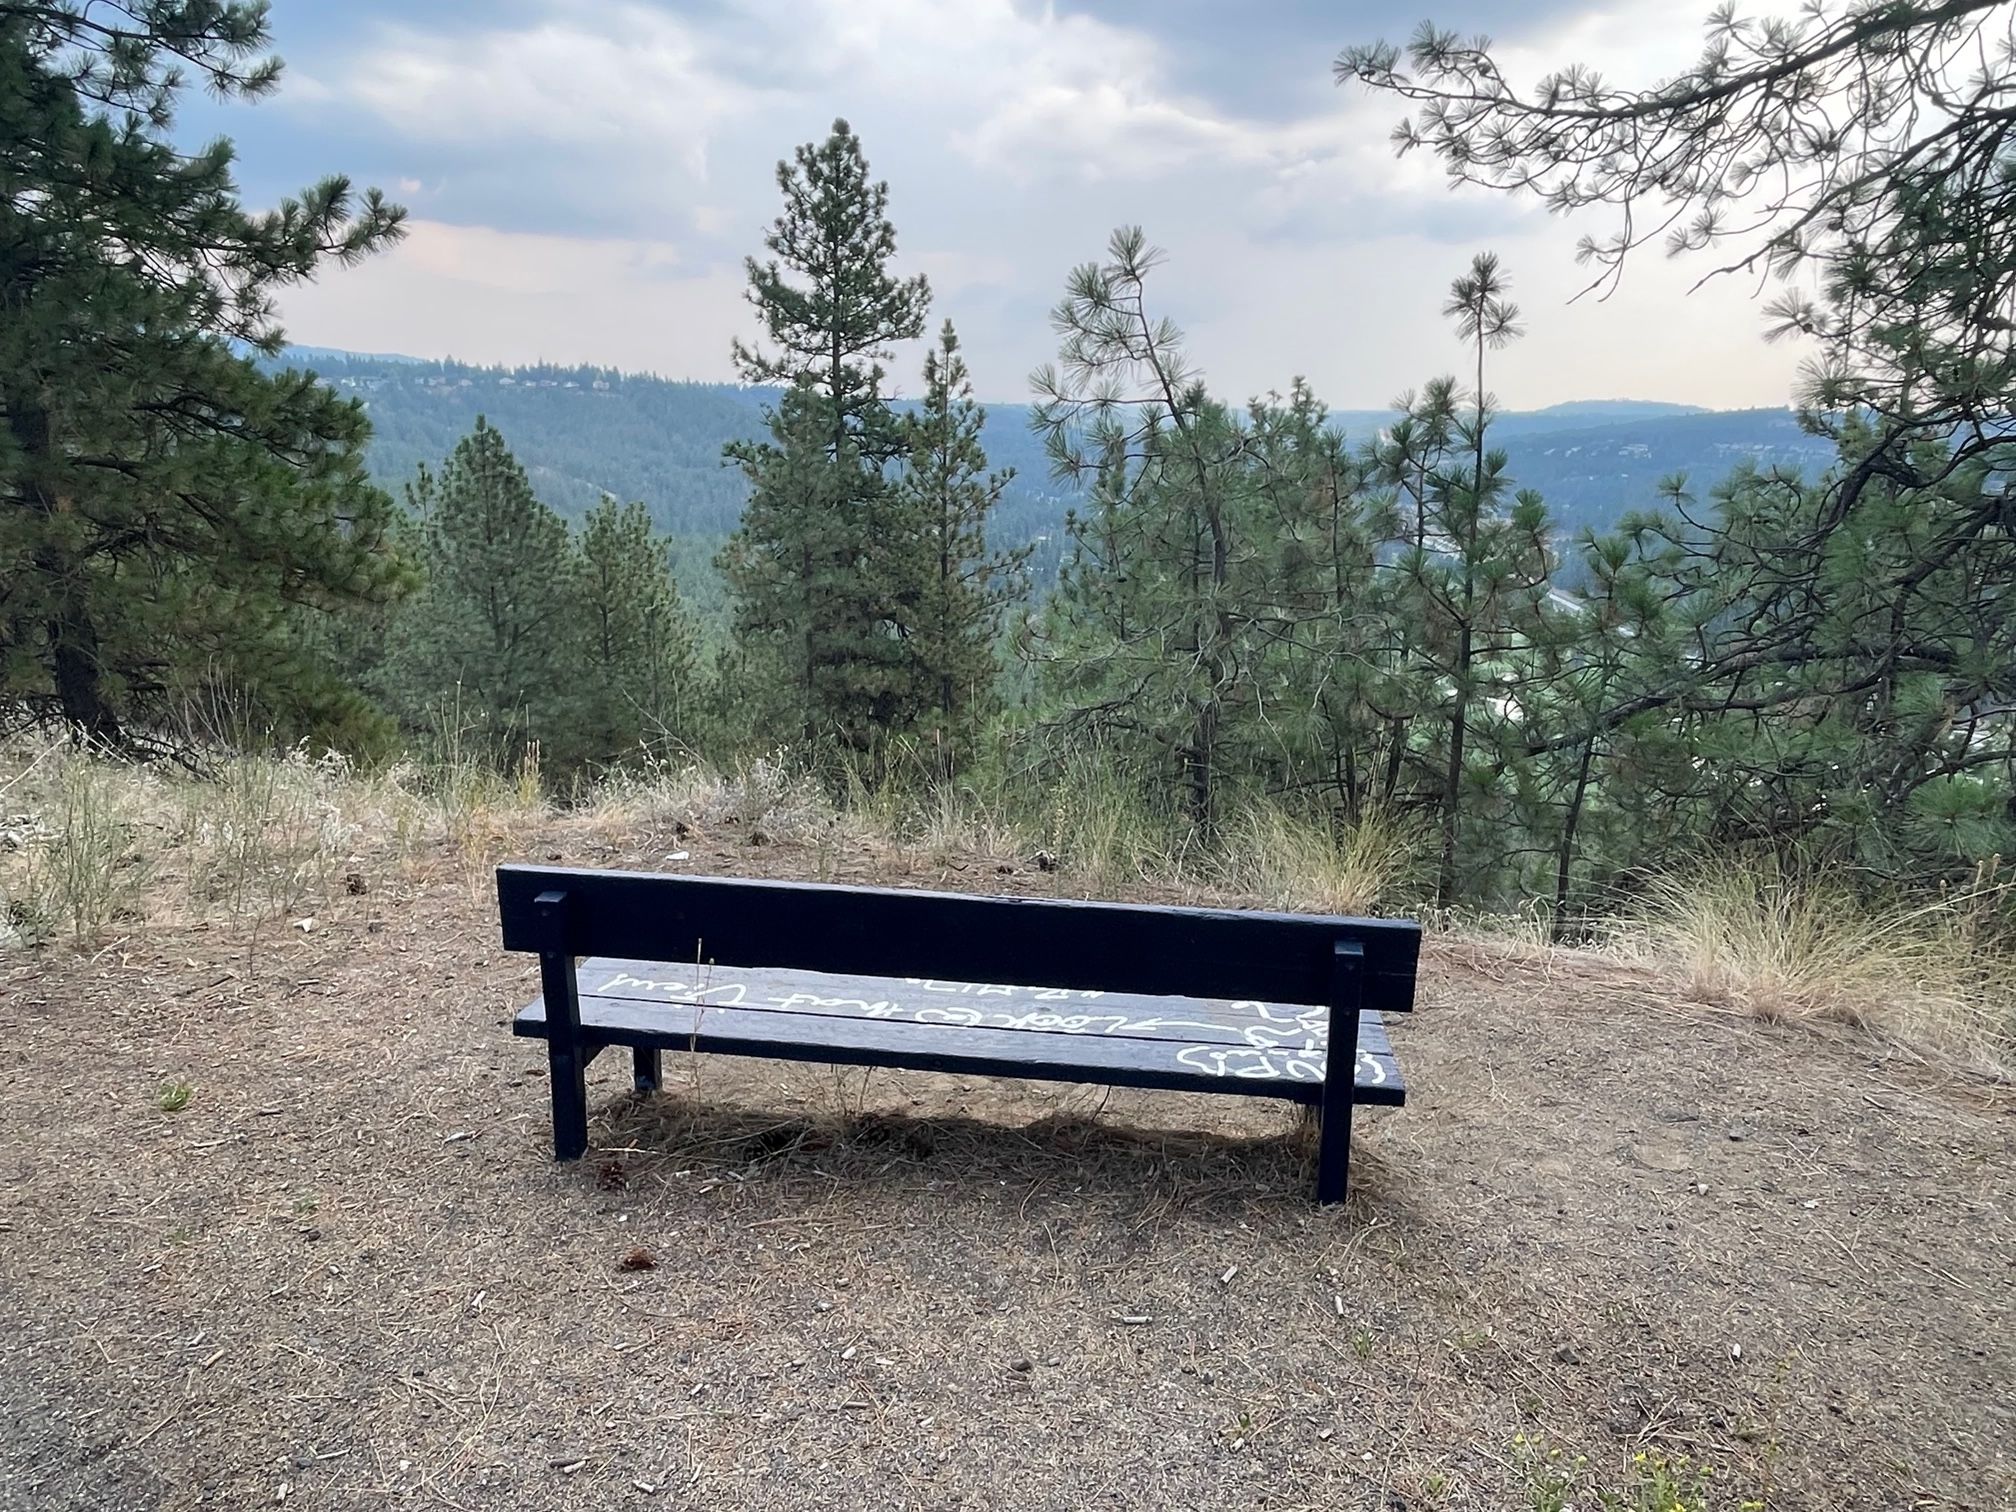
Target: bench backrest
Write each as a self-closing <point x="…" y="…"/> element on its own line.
<point x="890" y="932"/>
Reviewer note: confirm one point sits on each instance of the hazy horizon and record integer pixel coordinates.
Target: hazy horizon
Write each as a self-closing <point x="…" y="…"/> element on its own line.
<point x="312" y="350"/>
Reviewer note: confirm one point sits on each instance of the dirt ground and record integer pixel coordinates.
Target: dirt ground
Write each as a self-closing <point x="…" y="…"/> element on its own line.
<point x="347" y="1274"/>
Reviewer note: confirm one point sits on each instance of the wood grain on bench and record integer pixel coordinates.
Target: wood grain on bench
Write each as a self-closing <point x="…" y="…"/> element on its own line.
<point x="1180" y="1043"/>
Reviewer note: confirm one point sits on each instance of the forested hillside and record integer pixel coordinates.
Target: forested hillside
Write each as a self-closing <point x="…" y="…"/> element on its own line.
<point x="584" y="432"/>
<point x="1240" y="614"/>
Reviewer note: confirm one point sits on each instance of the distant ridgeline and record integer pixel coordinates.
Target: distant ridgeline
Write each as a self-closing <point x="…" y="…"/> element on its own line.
<point x="582" y="431"/>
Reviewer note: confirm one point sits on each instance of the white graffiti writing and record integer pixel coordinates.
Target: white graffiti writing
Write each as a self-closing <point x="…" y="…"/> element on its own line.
<point x="1253" y="1041"/>
<point x="997" y="989"/>
<point x="721" y="994"/>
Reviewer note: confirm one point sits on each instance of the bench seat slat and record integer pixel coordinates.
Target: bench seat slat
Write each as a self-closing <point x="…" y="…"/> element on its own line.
<point x="982" y="1005"/>
<point x="1186" y="1044"/>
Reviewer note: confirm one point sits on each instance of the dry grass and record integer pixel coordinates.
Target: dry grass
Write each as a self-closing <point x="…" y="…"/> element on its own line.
<point x="1289" y="861"/>
<point x="90" y="847"/>
<point x="770" y="798"/>
<point x="1931" y="976"/>
<point x="79" y="858"/>
<point x="1086" y="821"/>
<point x="1101" y="829"/>
<point x="953" y="824"/>
<point x="271" y="835"/>
<point x="473" y="805"/>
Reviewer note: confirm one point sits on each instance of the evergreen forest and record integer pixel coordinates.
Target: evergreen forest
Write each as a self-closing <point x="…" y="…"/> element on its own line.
<point x="1776" y="634"/>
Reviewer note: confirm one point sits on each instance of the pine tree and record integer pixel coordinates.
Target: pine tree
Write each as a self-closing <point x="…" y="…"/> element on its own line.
<point x="1588" y="791"/>
<point x="1487" y="319"/>
<point x="1410" y="459"/>
<point x="949" y="493"/>
<point x="1782" y="691"/>
<point x="1462" y="592"/>
<point x="1820" y="667"/>
<point x="168" y="507"/>
<point x="823" y="568"/>
<point x="1146" y="627"/>
<point x="1323" y="662"/>
<point x="1210" y="617"/>
<point x="491" y="633"/>
<point x="637" y="650"/>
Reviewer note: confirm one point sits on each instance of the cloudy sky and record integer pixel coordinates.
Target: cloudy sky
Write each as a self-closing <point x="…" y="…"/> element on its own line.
<point x="585" y="176"/>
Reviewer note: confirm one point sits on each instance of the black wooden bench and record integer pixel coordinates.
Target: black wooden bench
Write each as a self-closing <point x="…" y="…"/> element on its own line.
<point x="1189" y="999"/>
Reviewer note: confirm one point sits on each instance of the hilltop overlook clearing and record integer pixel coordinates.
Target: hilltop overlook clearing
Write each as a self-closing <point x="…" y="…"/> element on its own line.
<point x="1686" y="742"/>
<point x="283" y="1215"/>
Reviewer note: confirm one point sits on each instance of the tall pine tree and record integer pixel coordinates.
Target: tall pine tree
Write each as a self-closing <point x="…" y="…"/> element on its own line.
<point x="166" y="502"/>
<point x="489" y="635"/>
<point x="637" y="653"/>
<point x="1147" y="621"/>
<point x="1484" y="552"/>
<point x="823" y="567"/>
<point x="965" y="588"/>
<point x="1466" y="590"/>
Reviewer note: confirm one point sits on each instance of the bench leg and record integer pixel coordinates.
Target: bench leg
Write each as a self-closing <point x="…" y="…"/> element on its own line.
<point x="1333" y="1147"/>
<point x="1340" y="1072"/>
<point x="649" y="1068"/>
<point x="569" y="1072"/>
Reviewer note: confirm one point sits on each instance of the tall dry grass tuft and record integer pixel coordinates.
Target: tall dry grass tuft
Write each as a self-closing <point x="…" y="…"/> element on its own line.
<point x="1936" y="976"/>
<point x="766" y="800"/>
<point x="480" y="793"/>
<point x="89" y="843"/>
<point x="268" y="834"/>
<point x="83" y="848"/>
<point x="1099" y="825"/>
<point x="1288" y="860"/>
<point x="951" y="822"/>
<point x="772" y="794"/>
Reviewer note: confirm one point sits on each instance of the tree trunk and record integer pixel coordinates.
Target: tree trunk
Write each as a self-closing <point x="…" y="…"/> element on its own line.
<point x="1459" y="722"/>
<point x="1459" y="730"/>
<point x="79" y="674"/>
<point x="76" y="667"/>
<point x="1201" y="757"/>
<point x="1452" y="783"/>
<point x="1396" y="758"/>
<point x="1565" y="857"/>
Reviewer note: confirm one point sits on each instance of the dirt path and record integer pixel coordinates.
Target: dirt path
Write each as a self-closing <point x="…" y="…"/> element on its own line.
<point x="346" y="1274"/>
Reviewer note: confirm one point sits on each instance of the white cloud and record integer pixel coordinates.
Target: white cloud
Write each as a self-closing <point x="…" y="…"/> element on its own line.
<point x="619" y="76"/>
<point x="952" y="271"/>
<point x="1014" y="137"/>
<point x="304" y="88"/>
